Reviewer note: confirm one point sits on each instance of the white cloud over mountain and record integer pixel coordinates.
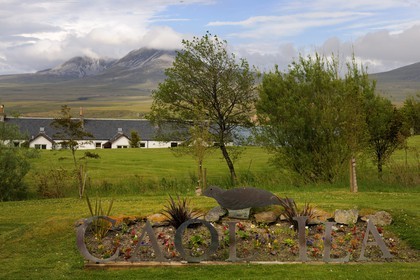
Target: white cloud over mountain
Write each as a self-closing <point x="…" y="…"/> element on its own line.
<point x="39" y="34"/>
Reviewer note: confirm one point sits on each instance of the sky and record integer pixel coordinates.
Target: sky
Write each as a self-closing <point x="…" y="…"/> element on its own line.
<point x="40" y="34"/>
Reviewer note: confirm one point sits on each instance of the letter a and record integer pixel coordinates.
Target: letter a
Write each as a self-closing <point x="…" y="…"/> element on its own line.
<point x="149" y="230"/>
<point x="378" y="242"/>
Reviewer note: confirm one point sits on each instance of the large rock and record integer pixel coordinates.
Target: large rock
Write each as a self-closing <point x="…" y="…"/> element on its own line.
<point x="215" y="214"/>
<point x="268" y="217"/>
<point x="380" y="218"/>
<point x="346" y="217"/>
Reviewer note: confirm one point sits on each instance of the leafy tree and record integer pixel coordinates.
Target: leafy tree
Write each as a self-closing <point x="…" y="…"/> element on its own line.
<point x="71" y="131"/>
<point x="206" y="82"/>
<point x="311" y="117"/>
<point x="411" y="112"/>
<point x="386" y="130"/>
<point x="134" y="139"/>
<point x="14" y="164"/>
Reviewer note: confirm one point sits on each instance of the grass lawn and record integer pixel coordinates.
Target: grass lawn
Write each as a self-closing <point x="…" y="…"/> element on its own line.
<point x="37" y="240"/>
<point x="37" y="237"/>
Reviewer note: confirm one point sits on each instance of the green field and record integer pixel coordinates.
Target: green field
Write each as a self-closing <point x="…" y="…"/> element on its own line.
<point x="37" y="237"/>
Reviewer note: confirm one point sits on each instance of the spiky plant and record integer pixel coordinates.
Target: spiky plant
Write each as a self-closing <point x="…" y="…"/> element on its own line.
<point x="291" y="211"/>
<point x="177" y="212"/>
<point x="100" y="227"/>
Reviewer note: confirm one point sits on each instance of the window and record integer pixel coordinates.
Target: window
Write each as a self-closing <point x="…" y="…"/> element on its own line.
<point x="174" y="144"/>
<point x="142" y="145"/>
<point x="98" y="145"/>
<point x="41" y="146"/>
<point x="122" y="147"/>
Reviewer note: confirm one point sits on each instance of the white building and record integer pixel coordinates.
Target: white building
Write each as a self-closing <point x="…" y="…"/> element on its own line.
<point x="107" y="133"/>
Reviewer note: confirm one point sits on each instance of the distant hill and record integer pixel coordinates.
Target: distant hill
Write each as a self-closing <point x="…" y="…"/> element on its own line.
<point x="101" y="84"/>
<point x="399" y="83"/>
<point x="122" y="87"/>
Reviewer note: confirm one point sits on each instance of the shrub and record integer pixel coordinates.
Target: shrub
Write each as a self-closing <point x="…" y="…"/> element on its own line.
<point x="53" y="183"/>
<point x="178" y="212"/>
<point x="13" y="167"/>
<point x="291" y="211"/>
<point x="99" y="227"/>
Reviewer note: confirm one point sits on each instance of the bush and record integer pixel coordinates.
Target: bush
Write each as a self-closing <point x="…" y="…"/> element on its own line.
<point x="13" y="167"/>
<point x="53" y="183"/>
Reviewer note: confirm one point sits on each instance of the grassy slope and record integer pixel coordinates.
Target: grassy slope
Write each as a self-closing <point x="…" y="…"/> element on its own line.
<point x="38" y="240"/>
<point x="37" y="237"/>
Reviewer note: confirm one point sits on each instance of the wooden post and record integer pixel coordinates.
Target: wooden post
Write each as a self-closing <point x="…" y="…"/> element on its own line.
<point x="353" y="177"/>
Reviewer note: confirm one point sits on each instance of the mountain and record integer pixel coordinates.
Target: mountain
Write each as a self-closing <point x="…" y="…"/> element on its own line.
<point x="79" y="67"/>
<point x="399" y="83"/>
<point x="90" y="82"/>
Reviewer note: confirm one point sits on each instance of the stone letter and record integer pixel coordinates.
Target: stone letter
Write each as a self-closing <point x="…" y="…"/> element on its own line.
<point x="378" y="242"/>
<point x="302" y="238"/>
<point x="213" y="246"/>
<point x="80" y="240"/>
<point x="149" y="230"/>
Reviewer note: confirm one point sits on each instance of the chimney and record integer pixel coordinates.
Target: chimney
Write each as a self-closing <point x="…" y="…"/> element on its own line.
<point x="2" y="114"/>
<point x="82" y="119"/>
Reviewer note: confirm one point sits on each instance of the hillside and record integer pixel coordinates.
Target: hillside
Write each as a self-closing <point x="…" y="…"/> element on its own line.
<point x="399" y="83"/>
<point x="118" y="88"/>
<point x="108" y="87"/>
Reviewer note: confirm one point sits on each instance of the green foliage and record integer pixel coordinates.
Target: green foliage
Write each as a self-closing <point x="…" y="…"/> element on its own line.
<point x="134" y="139"/>
<point x="386" y="130"/>
<point x="411" y="112"/>
<point x="13" y="168"/>
<point x="178" y="212"/>
<point x="206" y="82"/>
<point x="92" y="155"/>
<point x="14" y="164"/>
<point x="99" y="227"/>
<point x="291" y="211"/>
<point x="311" y="118"/>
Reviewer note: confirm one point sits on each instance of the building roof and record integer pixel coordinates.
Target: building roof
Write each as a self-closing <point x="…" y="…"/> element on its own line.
<point x="101" y="129"/>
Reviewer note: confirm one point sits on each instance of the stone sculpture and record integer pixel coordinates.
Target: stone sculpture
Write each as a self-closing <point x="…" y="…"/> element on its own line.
<point x="242" y="198"/>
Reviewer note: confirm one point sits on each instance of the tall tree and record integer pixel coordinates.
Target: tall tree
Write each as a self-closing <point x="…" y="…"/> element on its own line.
<point x="71" y="131"/>
<point x="310" y="117"/>
<point x="206" y="82"/>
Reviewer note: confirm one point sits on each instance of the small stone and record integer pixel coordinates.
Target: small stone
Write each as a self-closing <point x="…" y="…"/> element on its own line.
<point x="239" y="214"/>
<point x="215" y="214"/>
<point x="346" y="217"/>
<point x="158" y="219"/>
<point x="268" y="217"/>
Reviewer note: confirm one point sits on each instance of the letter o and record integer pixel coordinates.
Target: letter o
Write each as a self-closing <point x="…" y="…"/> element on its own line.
<point x="213" y="245"/>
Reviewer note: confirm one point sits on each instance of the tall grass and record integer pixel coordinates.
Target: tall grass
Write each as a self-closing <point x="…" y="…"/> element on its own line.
<point x="158" y="171"/>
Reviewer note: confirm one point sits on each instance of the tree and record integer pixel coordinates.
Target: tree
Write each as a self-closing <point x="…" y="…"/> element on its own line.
<point x="134" y="139"/>
<point x="70" y="131"/>
<point x="310" y="116"/>
<point x="411" y="112"/>
<point x="206" y="82"/>
<point x="386" y="130"/>
<point x="14" y="164"/>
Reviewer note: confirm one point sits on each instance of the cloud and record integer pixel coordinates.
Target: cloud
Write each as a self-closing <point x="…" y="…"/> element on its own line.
<point x="38" y="34"/>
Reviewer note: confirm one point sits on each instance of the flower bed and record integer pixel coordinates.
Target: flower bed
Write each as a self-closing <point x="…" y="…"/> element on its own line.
<point x="254" y="242"/>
